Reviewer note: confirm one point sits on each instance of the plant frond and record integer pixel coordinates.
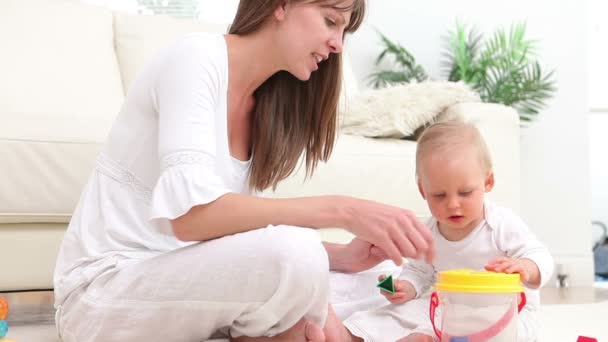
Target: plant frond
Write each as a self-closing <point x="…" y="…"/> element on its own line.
<point x="408" y="69"/>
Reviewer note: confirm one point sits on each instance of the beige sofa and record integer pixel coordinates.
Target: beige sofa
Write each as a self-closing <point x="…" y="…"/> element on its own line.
<point x="64" y="70"/>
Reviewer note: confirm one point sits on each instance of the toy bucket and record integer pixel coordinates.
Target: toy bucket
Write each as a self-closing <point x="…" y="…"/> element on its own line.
<point x="477" y="306"/>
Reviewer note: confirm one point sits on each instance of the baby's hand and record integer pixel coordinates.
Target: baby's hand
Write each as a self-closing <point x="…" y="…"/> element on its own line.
<point x="404" y="291"/>
<point x="526" y="268"/>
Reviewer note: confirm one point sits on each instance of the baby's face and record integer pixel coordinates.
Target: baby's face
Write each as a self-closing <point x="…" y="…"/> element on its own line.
<point x="453" y="184"/>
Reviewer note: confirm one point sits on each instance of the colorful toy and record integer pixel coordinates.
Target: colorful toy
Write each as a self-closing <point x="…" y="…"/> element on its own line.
<point x="477" y="306"/>
<point x="586" y="339"/>
<point x="3" y="329"/>
<point x="3" y="308"/>
<point x="387" y="284"/>
<point x="3" y="324"/>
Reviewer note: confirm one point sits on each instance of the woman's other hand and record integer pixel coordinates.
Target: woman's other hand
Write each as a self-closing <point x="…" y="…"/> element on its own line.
<point x="356" y="256"/>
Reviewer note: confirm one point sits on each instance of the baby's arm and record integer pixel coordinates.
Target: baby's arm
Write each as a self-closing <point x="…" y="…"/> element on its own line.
<point x="415" y="279"/>
<point x="527" y="269"/>
<point x="524" y="253"/>
<point x="404" y="291"/>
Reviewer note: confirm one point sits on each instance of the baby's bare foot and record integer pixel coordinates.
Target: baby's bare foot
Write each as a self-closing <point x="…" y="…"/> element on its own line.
<point x="303" y="331"/>
<point x="335" y="331"/>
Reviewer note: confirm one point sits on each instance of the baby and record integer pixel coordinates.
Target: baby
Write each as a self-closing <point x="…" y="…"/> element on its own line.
<point x="454" y="171"/>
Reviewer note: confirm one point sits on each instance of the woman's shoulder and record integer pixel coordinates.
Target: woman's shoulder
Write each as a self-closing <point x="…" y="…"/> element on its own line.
<point x="194" y="55"/>
<point x="200" y="44"/>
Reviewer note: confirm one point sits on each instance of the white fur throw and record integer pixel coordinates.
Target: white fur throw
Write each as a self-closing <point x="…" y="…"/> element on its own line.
<point x="397" y="111"/>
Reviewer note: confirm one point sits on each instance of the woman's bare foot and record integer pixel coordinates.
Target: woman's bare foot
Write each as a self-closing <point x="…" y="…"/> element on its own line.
<point x="303" y="331"/>
<point x="416" y="337"/>
<point x="335" y="331"/>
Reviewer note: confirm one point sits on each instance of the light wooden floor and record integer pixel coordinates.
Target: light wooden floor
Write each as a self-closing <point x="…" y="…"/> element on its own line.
<point x="31" y="317"/>
<point x="37" y="307"/>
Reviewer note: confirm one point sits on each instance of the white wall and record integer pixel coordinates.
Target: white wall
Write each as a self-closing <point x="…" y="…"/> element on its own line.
<point x="598" y="141"/>
<point x="598" y="54"/>
<point x="598" y="101"/>
<point x="554" y="151"/>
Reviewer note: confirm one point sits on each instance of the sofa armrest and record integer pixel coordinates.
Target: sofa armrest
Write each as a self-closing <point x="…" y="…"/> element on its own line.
<point x="499" y="126"/>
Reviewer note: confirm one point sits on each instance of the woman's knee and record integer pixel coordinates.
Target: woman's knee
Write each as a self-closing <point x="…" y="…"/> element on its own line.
<point x="298" y="255"/>
<point x="300" y="248"/>
<point x="295" y="278"/>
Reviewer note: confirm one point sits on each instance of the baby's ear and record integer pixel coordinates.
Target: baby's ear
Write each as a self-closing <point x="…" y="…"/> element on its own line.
<point x="489" y="184"/>
<point x="420" y="189"/>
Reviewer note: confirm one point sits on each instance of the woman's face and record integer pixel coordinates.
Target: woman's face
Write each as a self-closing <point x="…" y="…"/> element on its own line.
<point x="309" y="33"/>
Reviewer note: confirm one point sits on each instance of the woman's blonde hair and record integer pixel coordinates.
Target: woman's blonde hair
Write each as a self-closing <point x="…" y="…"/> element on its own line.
<point x="449" y="136"/>
<point x="291" y="116"/>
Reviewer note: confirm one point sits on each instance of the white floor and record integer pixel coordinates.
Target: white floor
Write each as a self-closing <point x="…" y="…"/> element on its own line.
<point x="561" y="320"/>
<point x="565" y="322"/>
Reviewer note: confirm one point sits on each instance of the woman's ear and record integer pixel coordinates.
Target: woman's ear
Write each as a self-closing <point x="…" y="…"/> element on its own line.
<point x="489" y="184"/>
<point x="280" y="11"/>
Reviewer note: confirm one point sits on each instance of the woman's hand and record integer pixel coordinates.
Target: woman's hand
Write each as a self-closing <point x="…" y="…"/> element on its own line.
<point x="356" y="256"/>
<point x="394" y="230"/>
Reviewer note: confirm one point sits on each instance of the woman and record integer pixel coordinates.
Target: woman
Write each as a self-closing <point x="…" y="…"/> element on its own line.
<point x="169" y="241"/>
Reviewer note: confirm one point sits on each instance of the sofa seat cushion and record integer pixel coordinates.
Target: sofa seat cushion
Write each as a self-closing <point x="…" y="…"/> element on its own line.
<point x="42" y="180"/>
<point x="28" y="258"/>
<point x="61" y="89"/>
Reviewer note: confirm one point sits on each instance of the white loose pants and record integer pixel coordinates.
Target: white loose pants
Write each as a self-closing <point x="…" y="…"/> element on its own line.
<point x="255" y="283"/>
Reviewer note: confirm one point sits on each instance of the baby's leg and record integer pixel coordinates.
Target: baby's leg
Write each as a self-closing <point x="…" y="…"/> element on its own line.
<point x="417" y="337"/>
<point x="335" y="331"/>
<point x="391" y="322"/>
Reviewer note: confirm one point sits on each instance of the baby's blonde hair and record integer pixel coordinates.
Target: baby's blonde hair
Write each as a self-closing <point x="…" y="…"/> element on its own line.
<point x="450" y="135"/>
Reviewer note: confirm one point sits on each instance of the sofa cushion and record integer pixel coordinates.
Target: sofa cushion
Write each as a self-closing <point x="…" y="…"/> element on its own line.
<point x="138" y="37"/>
<point x="28" y="258"/>
<point x="61" y="88"/>
<point x="397" y="111"/>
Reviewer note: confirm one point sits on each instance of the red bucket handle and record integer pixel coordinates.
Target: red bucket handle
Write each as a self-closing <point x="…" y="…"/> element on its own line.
<point x="483" y="335"/>
<point x="432" y="309"/>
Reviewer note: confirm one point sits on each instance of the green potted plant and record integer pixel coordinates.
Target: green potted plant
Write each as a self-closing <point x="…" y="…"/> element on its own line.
<point x="174" y="8"/>
<point x="407" y="68"/>
<point x="502" y="69"/>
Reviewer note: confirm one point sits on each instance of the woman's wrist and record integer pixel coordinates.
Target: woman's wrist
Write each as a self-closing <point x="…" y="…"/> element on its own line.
<point x="342" y="209"/>
<point x="337" y="260"/>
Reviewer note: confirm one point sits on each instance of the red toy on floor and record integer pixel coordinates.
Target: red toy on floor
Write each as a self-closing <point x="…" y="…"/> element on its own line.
<point x="586" y="339"/>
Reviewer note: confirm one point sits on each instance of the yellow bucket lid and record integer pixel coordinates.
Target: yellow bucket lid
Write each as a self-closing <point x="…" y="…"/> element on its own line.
<point x="478" y="281"/>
